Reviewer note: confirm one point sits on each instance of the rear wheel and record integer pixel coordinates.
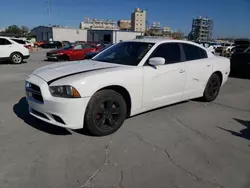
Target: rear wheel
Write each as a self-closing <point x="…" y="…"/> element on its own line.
<point x="105" y="113"/>
<point x="212" y="88"/>
<point x="16" y="58"/>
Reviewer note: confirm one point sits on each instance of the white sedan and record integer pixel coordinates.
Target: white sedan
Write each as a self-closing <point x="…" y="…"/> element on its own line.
<point x="124" y="80"/>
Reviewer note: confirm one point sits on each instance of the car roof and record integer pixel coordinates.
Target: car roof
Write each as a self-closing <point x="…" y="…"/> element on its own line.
<point x="2" y="37"/>
<point x="159" y="41"/>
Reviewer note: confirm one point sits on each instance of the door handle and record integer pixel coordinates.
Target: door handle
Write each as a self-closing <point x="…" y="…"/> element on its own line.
<point x="182" y="71"/>
<point x="208" y="65"/>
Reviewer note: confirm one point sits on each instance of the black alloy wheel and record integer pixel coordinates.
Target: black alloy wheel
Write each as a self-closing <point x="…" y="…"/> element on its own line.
<point x="105" y="113"/>
<point x="212" y="89"/>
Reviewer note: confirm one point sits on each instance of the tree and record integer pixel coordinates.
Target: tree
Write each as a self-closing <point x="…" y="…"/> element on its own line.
<point x="13" y="29"/>
<point x="177" y="35"/>
<point x="24" y="30"/>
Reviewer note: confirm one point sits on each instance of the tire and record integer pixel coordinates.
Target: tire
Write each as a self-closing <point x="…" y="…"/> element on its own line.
<point x="16" y="58"/>
<point x="105" y="113"/>
<point x="212" y="88"/>
<point x="64" y="58"/>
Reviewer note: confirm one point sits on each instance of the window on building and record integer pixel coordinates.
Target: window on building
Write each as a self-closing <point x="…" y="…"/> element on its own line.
<point x="4" y="42"/>
<point x="194" y="52"/>
<point x="169" y="51"/>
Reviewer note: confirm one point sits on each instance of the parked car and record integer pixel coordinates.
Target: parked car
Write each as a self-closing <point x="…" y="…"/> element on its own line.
<point x="208" y="46"/>
<point x="70" y="53"/>
<point x="66" y="43"/>
<point x="90" y="55"/>
<point x="26" y="43"/>
<point x="241" y="45"/>
<point x="38" y="43"/>
<point x="52" y="44"/>
<point x="12" y="51"/>
<point x="124" y="80"/>
<point x="240" y="63"/>
<point x="227" y="51"/>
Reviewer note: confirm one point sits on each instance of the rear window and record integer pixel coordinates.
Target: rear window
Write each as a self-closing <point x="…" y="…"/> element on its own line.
<point x="19" y="41"/>
<point x="194" y="52"/>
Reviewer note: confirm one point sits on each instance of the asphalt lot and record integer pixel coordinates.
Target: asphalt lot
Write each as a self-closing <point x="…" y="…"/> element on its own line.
<point x="187" y="145"/>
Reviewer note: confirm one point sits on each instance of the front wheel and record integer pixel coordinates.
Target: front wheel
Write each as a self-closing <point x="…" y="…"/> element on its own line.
<point x="105" y="113"/>
<point x="212" y="88"/>
<point x="16" y="58"/>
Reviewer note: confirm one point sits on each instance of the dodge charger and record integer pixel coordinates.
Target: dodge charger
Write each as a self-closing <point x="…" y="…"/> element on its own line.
<point x="124" y="80"/>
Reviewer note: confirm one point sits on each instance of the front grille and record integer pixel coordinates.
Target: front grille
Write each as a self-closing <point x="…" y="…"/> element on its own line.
<point x="35" y="92"/>
<point x="50" y="54"/>
<point x="39" y="113"/>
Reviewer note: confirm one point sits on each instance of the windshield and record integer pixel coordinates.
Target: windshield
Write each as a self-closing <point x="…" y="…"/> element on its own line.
<point x="125" y="53"/>
<point x="247" y="50"/>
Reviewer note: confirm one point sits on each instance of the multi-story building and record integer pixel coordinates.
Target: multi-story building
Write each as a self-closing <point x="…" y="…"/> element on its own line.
<point x="201" y="29"/>
<point x="138" y="20"/>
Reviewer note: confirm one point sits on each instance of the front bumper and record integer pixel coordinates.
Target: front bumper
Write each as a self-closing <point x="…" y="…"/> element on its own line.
<point x="26" y="57"/>
<point x="63" y="112"/>
<point x="54" y="57"/>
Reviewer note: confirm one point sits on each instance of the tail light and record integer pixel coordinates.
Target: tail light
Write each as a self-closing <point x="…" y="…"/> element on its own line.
<point x="26" y="46"/>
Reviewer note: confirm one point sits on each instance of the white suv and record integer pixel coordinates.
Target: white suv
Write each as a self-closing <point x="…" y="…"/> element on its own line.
<point x="13" y="51"/>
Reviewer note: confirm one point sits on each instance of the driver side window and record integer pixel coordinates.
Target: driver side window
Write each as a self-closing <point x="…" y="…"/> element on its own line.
<point x="78" y="47"/>
<point x="169" y="51"/>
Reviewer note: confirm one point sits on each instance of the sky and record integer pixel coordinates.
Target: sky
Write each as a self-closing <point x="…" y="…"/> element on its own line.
<point x="231" y="17"/>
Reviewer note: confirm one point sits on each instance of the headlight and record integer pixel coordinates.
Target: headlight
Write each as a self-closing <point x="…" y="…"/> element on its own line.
<point x="64" y="92"/>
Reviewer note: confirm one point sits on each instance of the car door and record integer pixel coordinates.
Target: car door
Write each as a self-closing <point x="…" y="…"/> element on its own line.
<point x="87" y="48"/>
<point x="6" y="48"/>
<point x="199" y="68"/>
<point x="77" y="52"/>
<point x="164" y="84"/>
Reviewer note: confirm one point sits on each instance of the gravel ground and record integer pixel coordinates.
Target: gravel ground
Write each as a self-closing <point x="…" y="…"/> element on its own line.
<point x="187" y="145"/>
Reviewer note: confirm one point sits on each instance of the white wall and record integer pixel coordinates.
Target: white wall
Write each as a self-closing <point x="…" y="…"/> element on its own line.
<point x="72" y="35"/>
<point x="119" y="36"/>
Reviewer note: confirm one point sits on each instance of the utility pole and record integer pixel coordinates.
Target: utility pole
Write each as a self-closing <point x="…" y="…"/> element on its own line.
<point x="48" y="2"/>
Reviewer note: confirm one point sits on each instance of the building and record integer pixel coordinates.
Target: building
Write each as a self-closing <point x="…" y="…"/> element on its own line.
<point x="201" y="29"/>
<point x="166" y="29"/>
<point x="112" y="36"/>
<point x="89" y="23"/>
<point x="138" y="20"/>
<point x="45" y="33"/>
<point x="124" y="24"/>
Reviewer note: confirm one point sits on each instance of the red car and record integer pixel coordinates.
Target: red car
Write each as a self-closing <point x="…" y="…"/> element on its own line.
<point x="70" y="53"/>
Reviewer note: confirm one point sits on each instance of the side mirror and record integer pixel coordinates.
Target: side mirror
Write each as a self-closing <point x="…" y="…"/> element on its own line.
<point x="156" y="61"/>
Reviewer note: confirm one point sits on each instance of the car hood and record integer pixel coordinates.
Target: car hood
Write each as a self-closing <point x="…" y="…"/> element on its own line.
<point x="58" y="70"/>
